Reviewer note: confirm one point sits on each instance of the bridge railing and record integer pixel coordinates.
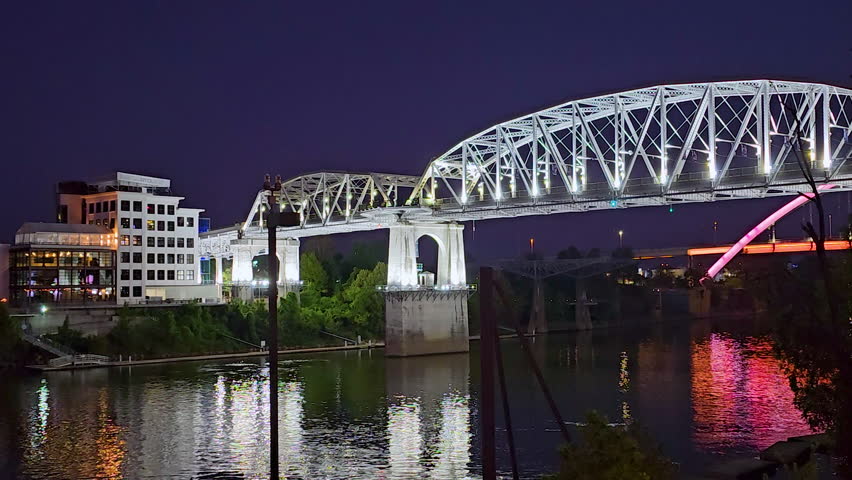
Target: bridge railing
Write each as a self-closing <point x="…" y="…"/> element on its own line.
<point x="82" y="359"/>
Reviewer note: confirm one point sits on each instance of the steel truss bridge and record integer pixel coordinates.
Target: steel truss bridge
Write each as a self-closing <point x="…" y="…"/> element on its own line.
<point x="659" y="145"/>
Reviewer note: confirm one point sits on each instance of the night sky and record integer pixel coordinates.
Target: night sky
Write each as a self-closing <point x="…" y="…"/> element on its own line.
<point x="215" y="94"/>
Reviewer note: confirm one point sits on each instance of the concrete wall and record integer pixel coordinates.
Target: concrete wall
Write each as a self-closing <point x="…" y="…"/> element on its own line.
<point x="90" y="321"/>
<point x="422" y="323"/>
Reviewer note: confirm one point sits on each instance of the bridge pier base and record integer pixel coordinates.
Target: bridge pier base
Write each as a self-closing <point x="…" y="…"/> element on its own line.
<point x="538" y="317"/>
<point x="425" y="322"/>
<point x="582" y="316"/>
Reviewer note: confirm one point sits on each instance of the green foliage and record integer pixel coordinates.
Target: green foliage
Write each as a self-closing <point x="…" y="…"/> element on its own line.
<point x="313" y="275"/>
<point x="365" y="305"/>
<point x="325" y="304"/>
<point x="10" y="337"/>
<point x="613" y="453"/>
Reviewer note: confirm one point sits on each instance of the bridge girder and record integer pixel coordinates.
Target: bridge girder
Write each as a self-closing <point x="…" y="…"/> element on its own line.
<point x="647" y="146"/>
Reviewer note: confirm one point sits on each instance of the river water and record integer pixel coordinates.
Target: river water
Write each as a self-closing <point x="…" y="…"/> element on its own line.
<point x="702" y="389"/>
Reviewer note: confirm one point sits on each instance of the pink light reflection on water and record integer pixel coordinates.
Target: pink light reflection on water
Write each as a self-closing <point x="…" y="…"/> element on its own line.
<point x="740" y="396"/>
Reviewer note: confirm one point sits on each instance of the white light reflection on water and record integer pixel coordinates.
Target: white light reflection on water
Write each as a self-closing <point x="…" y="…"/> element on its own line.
<point x="405" y="441"/>
<point x="454" y="441"/>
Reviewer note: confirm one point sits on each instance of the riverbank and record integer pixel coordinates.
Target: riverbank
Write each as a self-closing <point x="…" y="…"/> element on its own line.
<point x="228" y="356"/>
<point x="218" y="356"/>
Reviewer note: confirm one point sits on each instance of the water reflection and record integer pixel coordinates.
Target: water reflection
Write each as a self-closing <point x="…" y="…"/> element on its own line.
<point x="741" y="399"/>
<point x="428" y="417"/>
<point x="359" y="415"/>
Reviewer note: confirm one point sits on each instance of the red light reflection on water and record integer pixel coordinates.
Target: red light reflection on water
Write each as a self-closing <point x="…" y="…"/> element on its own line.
<point x="740" y="396"/>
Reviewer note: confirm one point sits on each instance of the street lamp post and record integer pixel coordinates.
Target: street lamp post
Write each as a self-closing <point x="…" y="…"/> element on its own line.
<point x="621" y="239"/>
<point x="272" y="255"/>
<point x="715" y="227"/>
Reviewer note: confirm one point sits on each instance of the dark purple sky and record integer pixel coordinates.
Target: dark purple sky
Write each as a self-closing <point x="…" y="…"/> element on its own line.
<point x="214" y="94"/>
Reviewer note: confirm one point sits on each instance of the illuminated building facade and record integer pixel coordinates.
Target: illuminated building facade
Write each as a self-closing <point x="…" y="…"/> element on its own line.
<point x="55" y="263"/>
<point x="157" y="255"/>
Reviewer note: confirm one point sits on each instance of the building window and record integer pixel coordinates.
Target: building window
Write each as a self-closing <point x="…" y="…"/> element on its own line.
<point x="112" y="205"/>
<point x="161" y="242"/>
<point x="137" y="206"/>
<point x="97" y="221"/>
<point x="170" y="258"/>
<point x="190" y="274"/>
<point x="150" y="209"/>
<point x="161" y="209"/>
<point x="190" y="221"/>
<point x="137" y="223"/>
<point x="180" y="221"/>
<point x="137" y="257"/>
<point x="180" y="242"/>
<point x="171" y="242"/>
<point x="180" y="258"/>
<point x="151" y="241"/>
<point x="125" y="240"/>
<point x="161" y="274"/>
<point x="151" y="258"/>
<point x="171" y="274"/>
<point x="124" y="292"/>
<point x="171" y="226"/>
<point x="181" y="275"/>
<point x="161" y="225"/>
<point x="151" y="274"/>
<point x="112" y="223"/>
<point x="171" y="209"/>
<point x="137" y="274"/>
<point x="91" y="208"/>
<point x="97" y="207"/>
<point x="125" y="205"/>
<point x="137" y="291"/>
<point x="150" y="225"/>
<point x="125" y="274"/>
<point x="125" y="222"/>
<point x="190" y="258"/>
<point x="125" y="257"/>
<point x="161" y="258"/>
<point x="190" y="243"/>
<point x="137" y="240"/>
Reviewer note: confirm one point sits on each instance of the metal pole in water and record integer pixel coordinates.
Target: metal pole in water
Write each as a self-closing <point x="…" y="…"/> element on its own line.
<point x="487" y="354"/>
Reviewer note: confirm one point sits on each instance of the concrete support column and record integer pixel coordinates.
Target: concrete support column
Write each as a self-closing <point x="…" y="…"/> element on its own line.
<point x="241" y="268"/>
<point x="220" y="261"/>
<point x="451" y="264"/>
<point x="402" y="256"/>
<point x="288" y="258"/>
<point x="582" y="316"/>
<point x="426" y="320"/>
<point x="538" y="318"/>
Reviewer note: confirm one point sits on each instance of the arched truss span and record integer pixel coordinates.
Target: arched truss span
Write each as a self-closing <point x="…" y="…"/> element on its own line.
<point x="651" y="146"/>
<point x="760" y="228"/>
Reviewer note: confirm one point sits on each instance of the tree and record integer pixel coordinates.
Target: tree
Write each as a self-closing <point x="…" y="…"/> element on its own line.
<point x="365" y="304"/>
<point x="313" y="274"/>
<point x="569" y="253"/>
<point x="613" y="453"/>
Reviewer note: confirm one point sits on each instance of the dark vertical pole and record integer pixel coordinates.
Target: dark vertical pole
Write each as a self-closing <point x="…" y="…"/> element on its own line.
<point x="507" y="413"/>
<point x="488" y="338"/>
<point x="272" y="256"/>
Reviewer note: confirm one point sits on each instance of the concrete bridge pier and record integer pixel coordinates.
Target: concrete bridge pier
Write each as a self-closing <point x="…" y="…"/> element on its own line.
<point x="538" y="317"/>
<point x="422" y="320"/>
<point x="582" y="316"/>
<point x="242" y="274"/>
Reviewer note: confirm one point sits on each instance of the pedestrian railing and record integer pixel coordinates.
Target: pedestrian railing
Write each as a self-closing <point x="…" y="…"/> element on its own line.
<point x="82" y="359"/>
